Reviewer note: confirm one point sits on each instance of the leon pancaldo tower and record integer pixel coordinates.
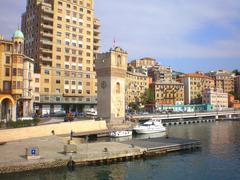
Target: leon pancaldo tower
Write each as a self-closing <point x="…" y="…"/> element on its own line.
<point x="111" y="68"/>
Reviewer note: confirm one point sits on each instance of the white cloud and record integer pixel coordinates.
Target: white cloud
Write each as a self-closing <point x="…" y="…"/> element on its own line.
<point x="159" y="27"/>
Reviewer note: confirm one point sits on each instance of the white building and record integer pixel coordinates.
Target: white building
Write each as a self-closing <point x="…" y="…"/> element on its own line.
<point x="215" y="97"/>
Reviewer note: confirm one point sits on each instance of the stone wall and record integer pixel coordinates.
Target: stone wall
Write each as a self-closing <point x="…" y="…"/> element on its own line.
<point x="46" y="130"/>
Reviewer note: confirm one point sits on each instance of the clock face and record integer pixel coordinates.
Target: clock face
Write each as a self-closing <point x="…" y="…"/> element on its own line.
<point x="103" y="84"/>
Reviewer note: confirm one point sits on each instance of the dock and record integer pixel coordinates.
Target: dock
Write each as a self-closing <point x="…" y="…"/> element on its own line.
<point x="12" y="157"/>
<point x="162" y="145"/>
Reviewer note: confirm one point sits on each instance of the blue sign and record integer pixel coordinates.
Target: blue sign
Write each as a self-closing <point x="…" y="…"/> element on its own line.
<point x="33" y="152"/>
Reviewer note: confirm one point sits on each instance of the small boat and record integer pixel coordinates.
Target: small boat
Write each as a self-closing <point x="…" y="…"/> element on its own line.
<point x="116" y="134"/>
<point x="152" y="126"/>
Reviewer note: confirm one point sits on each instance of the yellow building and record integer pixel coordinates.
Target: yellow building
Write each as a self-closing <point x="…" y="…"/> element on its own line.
<point x="194" y="85"/>
<point x="144" y="62"/>
<point x="63" y="37"/>
<point x="16" y="75"/>
<point x="223" y="80"/>
<point x="168" y="92"/>
<point x="136" y="85"/>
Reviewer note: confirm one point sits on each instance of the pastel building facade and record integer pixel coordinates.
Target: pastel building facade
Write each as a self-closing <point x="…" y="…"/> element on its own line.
<point x="216" y="97"/>
<point x="16" y="79"/>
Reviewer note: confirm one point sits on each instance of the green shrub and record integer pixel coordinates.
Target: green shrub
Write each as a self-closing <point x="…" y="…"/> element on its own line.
<point x="20" y="124"/>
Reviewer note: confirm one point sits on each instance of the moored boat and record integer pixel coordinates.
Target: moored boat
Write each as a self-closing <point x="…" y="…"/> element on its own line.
<point x="152" y="126"/>
<point x="120" y="133"/>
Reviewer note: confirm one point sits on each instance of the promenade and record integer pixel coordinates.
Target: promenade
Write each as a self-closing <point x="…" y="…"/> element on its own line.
<point x="12" y="154"/>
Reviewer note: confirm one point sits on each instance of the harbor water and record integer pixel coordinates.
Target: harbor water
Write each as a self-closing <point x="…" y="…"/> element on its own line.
<point x="219" y="158"/>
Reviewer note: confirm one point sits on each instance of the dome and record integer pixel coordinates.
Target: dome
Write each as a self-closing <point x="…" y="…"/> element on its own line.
<point x="18" y="34"/>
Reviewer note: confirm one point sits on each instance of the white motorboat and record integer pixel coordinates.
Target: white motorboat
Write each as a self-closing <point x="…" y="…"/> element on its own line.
<point x="116" y="134"/>
<point x="152" y="126"/>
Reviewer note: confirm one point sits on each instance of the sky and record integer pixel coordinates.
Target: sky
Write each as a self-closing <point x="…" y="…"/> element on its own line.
<point x="189" y="35"/>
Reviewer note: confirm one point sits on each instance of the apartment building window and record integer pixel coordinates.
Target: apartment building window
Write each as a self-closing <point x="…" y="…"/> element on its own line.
<point x="59" y="26"/>
<point x="58" y="73"/>
<point x="46" y="80"/>
<point x="80" y="68"/>
<point x="46" y="71"/>
<point x="58" y="57"/>
<point x="80" y="60"/>
<point x="79" y="91"/>
<point x="88" y="91"/>
<point x="89" y="18"/>
<point x="58" y="98"/>
<point x="80" y="83"/>
<point x="88" y="83"/>
<point x="67" y="50"/>
<point x="66" y="82"/>
<point x="37" y="89"/>
<point x="88" y="69"/>
<point x="7" y="59"/>
<point x="59" y="34"/>
<point x="59" y="42"/>
<point x="7" y="71"/>
<point x="59" y="49"/>
<point x="46" y="90"/>
<point x="74" y="59"/>
<point x="73" y="67"/>
<point x="58" y="81"/>
<point x="88" y="47"/>
<point x="46" y="98"/>
<point x="68" y="6"/>
<point x="73" y="91"/>
<point x="66" y="91"/>
<point x="67" y="74"/>
<point x="81" y="9"/>
<point x="88" y="76"/>
<point x="59" y="3"/>
<point x="66" y="66"/>
<point x="58" y="65"/>
<point x="59" y="18"/>
<point x="37" y="98"/>
<point x="37" y="80"/>
<point x="89" y="12"/>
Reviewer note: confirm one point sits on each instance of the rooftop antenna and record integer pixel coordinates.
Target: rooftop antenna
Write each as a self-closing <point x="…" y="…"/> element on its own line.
<point x="114" y="42"/>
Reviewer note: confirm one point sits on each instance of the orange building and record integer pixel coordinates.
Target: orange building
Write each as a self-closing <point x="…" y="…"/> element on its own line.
<point x="232" y="102"/>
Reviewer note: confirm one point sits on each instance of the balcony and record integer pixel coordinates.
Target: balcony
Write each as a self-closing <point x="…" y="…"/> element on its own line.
<point x="45" y="58"/>
<point x="96" y="38"/>
<point x="47" y="18"/>
<point x="47" y="26"/>
<point x="47" y="9"/>
<point x="47" y="51"/>
<point x="46" y="42"/>
<point x="46" y="34"/>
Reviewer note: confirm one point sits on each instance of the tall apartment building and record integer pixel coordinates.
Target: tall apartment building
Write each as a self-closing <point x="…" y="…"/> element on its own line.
<point x="136" y="85"/>
<point x="161" y="73"/>
<point x="216" y="97"/>
<point x="223" y="80"/>
<point x="16" y="79"/>
<point x="63" y="37"/>
<point x="144" y="62"/>
<point x="168" y="92"/>
<point x="237" y="85"/>
<point x="194" y="85"/>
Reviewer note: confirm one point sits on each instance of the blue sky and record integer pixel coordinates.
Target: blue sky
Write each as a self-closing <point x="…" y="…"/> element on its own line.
<point x="188" y="35"/>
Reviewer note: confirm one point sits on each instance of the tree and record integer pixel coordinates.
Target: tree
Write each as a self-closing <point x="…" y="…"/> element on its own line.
<point x="236" y="72"/>
<point x="148" y="96"/>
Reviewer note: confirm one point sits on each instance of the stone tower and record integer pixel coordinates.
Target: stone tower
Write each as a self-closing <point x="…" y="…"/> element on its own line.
<point x="111" y="68"/>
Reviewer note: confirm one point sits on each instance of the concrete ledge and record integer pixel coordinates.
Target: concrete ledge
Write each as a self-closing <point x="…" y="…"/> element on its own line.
<point x="46" y="130"/>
